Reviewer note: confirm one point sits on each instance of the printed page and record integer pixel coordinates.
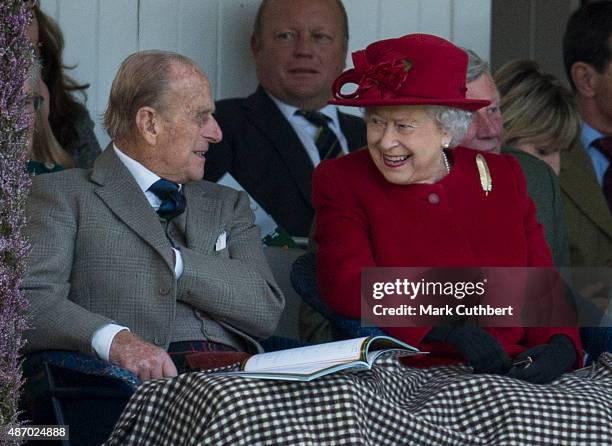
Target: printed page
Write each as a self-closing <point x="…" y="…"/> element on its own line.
<point x="331" y="352"/>
<point x="381" y="344"/>
<point x="300" y="369"/>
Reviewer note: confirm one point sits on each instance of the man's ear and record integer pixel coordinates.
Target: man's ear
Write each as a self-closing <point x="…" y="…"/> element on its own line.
<point x="148" y="124"/>
<point x="584" y="76"/>
<point x="255" y="45"/>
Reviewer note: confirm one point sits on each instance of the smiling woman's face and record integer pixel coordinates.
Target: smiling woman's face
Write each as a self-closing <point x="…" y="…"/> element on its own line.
<point x="405" y="143"/>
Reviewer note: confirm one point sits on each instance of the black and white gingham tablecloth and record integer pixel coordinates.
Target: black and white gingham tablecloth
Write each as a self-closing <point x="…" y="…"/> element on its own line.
<point x="389" y="405"/>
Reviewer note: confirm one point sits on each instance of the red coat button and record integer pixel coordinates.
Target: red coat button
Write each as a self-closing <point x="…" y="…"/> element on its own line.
<point x="433" y="198"/>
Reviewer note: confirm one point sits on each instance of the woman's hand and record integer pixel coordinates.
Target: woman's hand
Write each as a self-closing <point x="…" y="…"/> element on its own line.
<point x="548" y="361"/>
<point x="479" y="348"/>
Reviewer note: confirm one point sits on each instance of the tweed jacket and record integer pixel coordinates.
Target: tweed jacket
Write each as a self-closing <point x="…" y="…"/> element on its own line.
<point x="100" y="255"/>
<point x="263" y="153"/>
<point x="588" y="217"/>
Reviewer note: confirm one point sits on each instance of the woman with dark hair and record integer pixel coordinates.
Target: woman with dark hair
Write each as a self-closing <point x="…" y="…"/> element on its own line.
<point x="69" y="119"/>
<point x="45" y="154"/>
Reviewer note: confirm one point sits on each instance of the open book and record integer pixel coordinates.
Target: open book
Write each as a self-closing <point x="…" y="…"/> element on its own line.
<point x="312" y="362"/>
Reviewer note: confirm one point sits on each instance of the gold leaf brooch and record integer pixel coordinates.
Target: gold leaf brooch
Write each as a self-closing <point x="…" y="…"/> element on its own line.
<point x="485" y="176"/>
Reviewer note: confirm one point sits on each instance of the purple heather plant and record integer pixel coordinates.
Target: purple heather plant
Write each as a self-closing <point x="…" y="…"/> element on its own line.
<point x="16" y="55"/>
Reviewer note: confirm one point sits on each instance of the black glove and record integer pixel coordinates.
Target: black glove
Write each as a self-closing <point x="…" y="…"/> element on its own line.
<point x="479" y="348"/>
<point x="550" y="361"/>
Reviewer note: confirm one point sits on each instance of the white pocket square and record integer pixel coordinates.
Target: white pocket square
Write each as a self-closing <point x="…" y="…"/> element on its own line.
<point x="221" y="242"/>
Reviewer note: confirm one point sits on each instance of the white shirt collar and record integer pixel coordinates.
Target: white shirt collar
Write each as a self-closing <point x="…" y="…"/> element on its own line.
<point x="588" y="134"/>
<point x="143" y="176"/>
<point x="288" y="111"/>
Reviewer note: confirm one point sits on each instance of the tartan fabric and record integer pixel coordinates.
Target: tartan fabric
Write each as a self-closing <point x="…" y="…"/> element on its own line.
<point x="389" y="405"/>
<point x="178" y="351"/>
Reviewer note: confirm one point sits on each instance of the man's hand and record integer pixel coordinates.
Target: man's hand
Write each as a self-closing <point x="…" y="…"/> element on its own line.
<point x="141" y="358"/>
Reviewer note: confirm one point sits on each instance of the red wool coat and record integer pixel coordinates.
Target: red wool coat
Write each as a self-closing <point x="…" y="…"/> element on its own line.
<point x="362" y="220"/>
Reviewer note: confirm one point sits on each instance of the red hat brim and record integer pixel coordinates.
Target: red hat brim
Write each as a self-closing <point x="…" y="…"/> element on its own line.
<point x="465" y="104"/>
<point x="416" y="69"/>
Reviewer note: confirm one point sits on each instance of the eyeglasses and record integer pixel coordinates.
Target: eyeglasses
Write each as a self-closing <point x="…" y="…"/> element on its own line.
<point x="33" y="103"/>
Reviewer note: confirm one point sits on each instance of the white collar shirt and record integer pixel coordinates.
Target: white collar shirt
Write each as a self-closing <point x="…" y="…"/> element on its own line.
<point x="307" y="132"/>
<point x="599" y="161"/>
<point x="143" y="176"/>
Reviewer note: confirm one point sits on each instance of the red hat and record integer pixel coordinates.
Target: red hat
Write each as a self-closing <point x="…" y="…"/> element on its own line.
<point x="417" y="69"/>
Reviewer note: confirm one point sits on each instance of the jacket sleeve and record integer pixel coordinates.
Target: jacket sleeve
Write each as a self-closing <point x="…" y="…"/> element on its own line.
<point x="234" y="285"/>
<point x="540" y="256"/>
<point x="562" y="258"/>
<point x="538" y="250"/>
<point x="55" y="322"/>
<point x="344" y="248"/>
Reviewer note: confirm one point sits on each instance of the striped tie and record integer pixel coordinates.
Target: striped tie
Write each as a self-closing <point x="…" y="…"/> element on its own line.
<point x="326" y="141"/>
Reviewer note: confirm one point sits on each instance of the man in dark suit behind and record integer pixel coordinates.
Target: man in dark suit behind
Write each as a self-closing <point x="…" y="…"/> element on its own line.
<point x="269" y="146"/>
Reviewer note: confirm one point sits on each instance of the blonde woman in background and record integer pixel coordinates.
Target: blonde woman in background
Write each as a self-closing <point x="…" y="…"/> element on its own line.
<point x="540" y="118"/>
<point x="539" y="114"/>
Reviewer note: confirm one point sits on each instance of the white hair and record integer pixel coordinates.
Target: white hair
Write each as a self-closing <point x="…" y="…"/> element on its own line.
<point x="454" y="121"/>
<point x="476" y="66"/>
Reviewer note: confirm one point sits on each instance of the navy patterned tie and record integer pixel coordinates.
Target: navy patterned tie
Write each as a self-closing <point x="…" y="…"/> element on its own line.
<point x="326" y="141"/>
<point x="172" y="199"/>
<point x="605" y="146"/>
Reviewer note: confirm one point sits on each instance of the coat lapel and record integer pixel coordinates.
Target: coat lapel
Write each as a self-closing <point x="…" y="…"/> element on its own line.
<point x="120" y="192"/>
<point x="578" y="181"/>
<point x="202" y="217"/>
<point x="265" y="115"/>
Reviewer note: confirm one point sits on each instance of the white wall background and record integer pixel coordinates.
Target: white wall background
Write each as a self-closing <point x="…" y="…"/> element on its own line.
<point x="99" y="34"/>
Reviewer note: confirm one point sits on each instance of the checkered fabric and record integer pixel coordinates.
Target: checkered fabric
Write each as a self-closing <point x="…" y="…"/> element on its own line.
<point x="389" y="405"/>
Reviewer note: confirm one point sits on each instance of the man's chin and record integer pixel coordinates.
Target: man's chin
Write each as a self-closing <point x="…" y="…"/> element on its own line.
<point x="486" y="146"/>
<point x="196" y="173"/>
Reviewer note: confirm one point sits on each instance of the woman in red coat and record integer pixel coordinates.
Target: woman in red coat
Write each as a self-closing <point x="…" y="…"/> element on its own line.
<point x="413" y="199"/>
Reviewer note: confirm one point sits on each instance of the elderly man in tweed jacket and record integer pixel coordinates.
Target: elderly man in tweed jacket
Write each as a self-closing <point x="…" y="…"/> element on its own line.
<point x="120" y="266"/>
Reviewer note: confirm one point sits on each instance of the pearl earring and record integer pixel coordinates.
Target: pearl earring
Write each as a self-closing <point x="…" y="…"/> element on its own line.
<point x="446" y="163"/>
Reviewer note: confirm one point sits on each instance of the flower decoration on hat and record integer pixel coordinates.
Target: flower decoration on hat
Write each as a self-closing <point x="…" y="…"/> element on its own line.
<point x="416" y="69"/>
<point x="386" y="76"/>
